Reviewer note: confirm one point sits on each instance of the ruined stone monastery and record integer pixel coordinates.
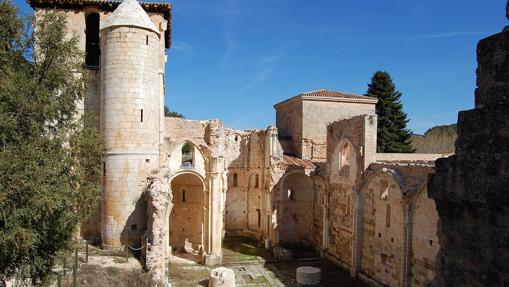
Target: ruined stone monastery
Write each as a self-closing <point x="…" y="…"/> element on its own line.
<point x="315" y="179"/>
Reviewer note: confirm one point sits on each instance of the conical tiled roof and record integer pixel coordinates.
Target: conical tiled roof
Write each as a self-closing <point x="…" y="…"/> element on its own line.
<point x="129" y="13"/>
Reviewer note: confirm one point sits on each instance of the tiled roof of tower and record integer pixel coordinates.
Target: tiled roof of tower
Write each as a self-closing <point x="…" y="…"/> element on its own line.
<point x="109" y="6"/>
<point x="328" y="95"/>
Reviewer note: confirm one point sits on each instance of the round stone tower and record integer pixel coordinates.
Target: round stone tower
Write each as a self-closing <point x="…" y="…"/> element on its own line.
<point x="131" y="117"/>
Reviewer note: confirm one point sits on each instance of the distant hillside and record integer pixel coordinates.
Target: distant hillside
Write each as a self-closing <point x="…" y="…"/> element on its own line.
<point x="439" y="139"/>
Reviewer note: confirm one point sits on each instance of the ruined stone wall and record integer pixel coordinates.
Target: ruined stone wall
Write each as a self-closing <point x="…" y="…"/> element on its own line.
<point x="382" y="245"/>
<point x="424" y="239"/>
<point x="245" y="161"/>
<point x="346" y="152"/>
<point x="470" y="188"/>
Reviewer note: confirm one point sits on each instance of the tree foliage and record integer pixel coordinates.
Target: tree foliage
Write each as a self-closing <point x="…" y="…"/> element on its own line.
<point x="50" y="173"/>
<point x="392" y="134"/>
<point x="167" y="113"/>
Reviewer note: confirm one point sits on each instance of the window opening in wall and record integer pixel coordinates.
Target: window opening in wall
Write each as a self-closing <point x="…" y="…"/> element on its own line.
<point x="147" y="160"/>
<point x="104" y="168"/>
<point x="344" y="167"/>
<point x="141" y="115"/>
<point x="431" y="243"/>
<point x="146" y="39"/>
<point x="236" y="138"/>
<point x="134" y="227"/>
<point x="92" y="49"/>
<point x="259" y="212"/>
<point x="235" y="180"/>
<point x="183" y="195"/>
<point x="268" y="224"/>
<point x="384" y="189"/>
<point x="187" y="156"/>
<point x="388" y="215"/>
<point x="349" y="205"/>
<point x="257" y="181"/>
<point x="290" y="194"/>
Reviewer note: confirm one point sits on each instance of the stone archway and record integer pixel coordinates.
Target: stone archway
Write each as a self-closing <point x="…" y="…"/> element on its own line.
<point x="187" y="217"/>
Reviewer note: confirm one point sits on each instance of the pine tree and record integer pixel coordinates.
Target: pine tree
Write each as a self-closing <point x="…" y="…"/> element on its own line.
<point x="50" y="171"/>
<point x="392" y="134"/>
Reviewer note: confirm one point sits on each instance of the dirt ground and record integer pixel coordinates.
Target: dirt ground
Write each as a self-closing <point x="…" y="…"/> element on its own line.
<point x="253" y="266"/>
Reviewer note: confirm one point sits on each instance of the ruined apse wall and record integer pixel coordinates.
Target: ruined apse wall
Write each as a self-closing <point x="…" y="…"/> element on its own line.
<point x="471" y="188"/>
<point x="245" y="159"/>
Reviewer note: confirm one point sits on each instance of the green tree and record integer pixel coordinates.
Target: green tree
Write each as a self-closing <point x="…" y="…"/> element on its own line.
<point x="167" y="113"/>
<point x="50" y="176"/>
<point x="392" y="134"/>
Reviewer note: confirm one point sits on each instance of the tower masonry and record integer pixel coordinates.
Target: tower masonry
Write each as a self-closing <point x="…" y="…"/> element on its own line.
<point x="131" y="118"/>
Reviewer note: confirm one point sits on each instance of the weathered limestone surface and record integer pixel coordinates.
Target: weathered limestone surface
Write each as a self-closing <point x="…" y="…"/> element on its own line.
<point x="471" y="188"/>
<point x="159" y="202"/>
<point x="222" y="277"/>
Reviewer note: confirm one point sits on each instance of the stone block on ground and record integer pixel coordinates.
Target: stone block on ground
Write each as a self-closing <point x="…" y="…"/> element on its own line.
<point x="222" y="277"/>
<point x="308" y="275"/>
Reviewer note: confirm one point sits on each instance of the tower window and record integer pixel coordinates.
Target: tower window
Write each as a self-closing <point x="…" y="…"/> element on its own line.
<point x="141" y="115"/>
<point x="259" y="212"/>
<point x="146" y="39"/>
<point x="134" y="227"/>
<point x="104" y="168"/>
<point x="92" y="49"/>
<point x="183" y="195"/>
<point x="257" y="180"/>
<point x="388" y="215"/>
<point x="235" y="180"/>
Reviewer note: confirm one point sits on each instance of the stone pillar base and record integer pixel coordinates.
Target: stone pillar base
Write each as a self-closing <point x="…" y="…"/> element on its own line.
<point x="212" y="259"/>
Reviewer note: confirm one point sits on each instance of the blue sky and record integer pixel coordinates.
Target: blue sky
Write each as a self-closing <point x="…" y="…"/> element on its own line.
<point x="234" y="59"/>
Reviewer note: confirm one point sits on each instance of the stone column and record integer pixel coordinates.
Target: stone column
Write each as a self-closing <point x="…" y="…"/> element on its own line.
<point x="159" y="205"/>
<point x="407" y="245"/>
<point x="215" y="194"/>
<point x="357" y="233"/>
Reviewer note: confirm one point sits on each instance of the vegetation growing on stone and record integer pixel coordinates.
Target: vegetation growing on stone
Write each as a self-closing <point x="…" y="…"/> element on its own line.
<point x="50" y="172"/>
<point x="393" y="135"/>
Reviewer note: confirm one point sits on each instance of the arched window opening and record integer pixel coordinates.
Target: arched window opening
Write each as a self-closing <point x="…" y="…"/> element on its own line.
<point x="92" y="49"/>
<point x="187" y="156"/>
<point x="388" y="216"/>
<point x="259" y="213"/>
<point x="344" y="165"/>
<point x="183" y="195"/>
<point x="384" y="189"/>
<point x="291" y="195"/>
<point x="257" y="180"/>
<point x="235" y="180"/>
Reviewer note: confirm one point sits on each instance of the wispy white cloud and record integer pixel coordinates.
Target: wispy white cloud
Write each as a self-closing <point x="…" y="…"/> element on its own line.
<point x="230" y="45"/>
<point x="182" y="46"/>
<point x="446" y="35"/>
<point x="261" y="76"/>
